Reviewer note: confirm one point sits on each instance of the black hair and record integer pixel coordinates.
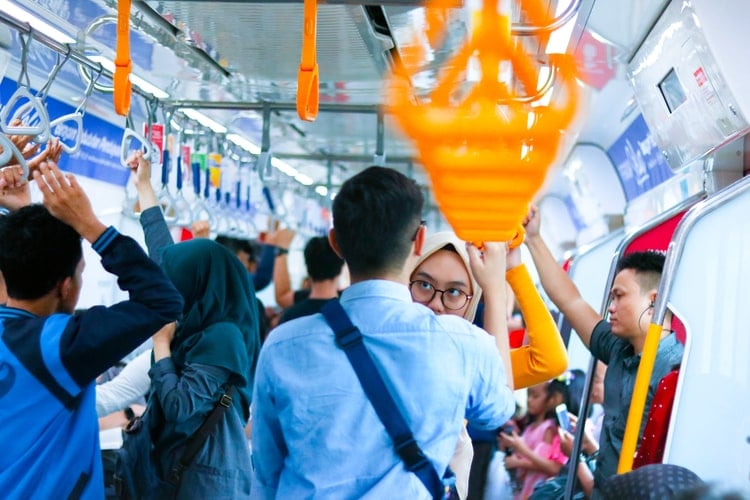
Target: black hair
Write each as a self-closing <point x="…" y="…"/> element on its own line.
<point x="321" y="261"/>
<point x="37" y="251"/>
<point x="648" y="266"/>
<point x="235" y="245"/>
<point x="570" y="386"/>
<point x="375" y="217"/>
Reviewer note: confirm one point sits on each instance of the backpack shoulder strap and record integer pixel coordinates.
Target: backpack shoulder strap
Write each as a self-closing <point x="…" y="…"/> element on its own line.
<point x="349" y="338"/>
<point x="197" y="440"/>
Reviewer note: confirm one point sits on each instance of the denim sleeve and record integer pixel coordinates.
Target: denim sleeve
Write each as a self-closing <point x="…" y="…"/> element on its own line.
<point x="156" y="232"/>
<point x="99" y="337"/>
<point x="193" y="392"/>
<point x="603" y="343"/>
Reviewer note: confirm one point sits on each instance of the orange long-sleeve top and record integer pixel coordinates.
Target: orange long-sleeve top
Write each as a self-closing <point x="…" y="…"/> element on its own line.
<point x="544" y="357"/>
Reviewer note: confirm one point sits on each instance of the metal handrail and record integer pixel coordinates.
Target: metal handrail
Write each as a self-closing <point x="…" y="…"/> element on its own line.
<point x="531" y="30"/>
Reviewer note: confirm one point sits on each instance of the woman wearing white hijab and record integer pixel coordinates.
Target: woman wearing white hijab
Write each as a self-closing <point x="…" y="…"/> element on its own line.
<point x="450" y="278"/>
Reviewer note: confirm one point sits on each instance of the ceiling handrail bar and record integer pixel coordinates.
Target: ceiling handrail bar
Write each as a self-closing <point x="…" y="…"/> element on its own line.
<point x="533" y="30"/>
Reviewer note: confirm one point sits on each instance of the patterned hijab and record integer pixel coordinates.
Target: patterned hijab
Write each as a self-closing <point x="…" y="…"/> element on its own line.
<point x="220" y="317"/>
<point x="438" y="241"/>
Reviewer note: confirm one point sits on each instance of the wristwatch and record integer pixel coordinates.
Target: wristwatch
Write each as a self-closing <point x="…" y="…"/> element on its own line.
<point x="129" y="414"/>
<point x="281" y="251"/>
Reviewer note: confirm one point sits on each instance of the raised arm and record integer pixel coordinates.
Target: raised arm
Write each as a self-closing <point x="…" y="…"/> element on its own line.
<point x="155" y="229"/>
<point x="282" y="286"/>
<point x="65" y="199"/>
<point x="487" y="269"/>
<point x="556" y="282"/>
<point x="96" y="339"/>
<point x="545" y="356"/>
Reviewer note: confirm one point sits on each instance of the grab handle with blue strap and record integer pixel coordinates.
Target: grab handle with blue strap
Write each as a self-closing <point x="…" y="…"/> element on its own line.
<point x="349" y="338"/>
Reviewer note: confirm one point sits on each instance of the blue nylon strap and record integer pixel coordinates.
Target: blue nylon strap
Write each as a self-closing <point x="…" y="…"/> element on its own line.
<point x="349" y="338"/>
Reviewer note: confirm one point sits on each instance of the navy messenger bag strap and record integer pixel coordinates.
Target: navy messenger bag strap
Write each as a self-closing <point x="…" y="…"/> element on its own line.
<point x="349" y="338"/>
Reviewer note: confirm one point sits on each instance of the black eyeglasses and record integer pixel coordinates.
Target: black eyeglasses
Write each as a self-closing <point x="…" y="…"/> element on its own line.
<point x="452" y="298"/>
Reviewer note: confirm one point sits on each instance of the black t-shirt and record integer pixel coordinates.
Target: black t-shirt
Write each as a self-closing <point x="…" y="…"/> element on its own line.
<point x="300" y="295"/>
<point x="304" y="308"/>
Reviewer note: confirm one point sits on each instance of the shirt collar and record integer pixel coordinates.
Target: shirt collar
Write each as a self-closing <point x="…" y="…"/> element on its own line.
<point x="376" y="288"/>
<point x="665" y="345"/>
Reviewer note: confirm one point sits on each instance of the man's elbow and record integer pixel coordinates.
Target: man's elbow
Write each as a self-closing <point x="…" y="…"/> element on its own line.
<point x="170" y="307"/>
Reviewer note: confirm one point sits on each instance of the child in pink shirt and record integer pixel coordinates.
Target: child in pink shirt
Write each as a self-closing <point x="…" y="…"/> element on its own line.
<point x="536" y="454"/>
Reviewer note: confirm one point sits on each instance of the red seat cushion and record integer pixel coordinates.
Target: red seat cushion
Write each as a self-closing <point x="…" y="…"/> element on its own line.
<point x="654" y="437"/>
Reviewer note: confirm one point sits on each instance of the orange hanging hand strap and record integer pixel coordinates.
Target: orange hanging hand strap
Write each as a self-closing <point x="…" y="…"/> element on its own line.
<point x="488" y="148"/>
<point x="123" y="64"/>
<point x="307" y="76"/>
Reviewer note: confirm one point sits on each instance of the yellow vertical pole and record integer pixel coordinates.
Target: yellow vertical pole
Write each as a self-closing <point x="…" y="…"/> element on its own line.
<point x="638" y="400"/>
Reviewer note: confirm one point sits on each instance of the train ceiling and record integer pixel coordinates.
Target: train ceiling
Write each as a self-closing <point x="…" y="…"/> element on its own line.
<point x="242" y="54"/>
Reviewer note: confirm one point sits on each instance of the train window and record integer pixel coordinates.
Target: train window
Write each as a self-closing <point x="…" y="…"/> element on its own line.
<point x="672" y="90"/>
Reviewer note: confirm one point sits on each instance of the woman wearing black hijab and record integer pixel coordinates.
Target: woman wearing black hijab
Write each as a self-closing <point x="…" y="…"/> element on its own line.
<point x="213" y="347"/>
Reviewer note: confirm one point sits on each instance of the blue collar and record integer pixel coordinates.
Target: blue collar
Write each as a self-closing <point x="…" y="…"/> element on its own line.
<point x="376" y="288"/>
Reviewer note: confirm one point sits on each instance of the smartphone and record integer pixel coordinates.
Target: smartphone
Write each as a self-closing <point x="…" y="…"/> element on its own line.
<point x="507" y="429"/>
<point x="562" y="417"/>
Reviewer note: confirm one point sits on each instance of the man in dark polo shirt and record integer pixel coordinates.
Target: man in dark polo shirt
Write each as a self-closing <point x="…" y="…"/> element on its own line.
<point x="617" y="342"/>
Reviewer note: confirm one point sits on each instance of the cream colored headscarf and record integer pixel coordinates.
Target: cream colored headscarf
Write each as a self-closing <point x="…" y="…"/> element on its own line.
<point x="438" y="241"/>
<point x="461" y="461"/>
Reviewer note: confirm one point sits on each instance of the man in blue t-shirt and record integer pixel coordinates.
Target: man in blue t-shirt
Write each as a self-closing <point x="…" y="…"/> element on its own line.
<point x="50" y="357"/>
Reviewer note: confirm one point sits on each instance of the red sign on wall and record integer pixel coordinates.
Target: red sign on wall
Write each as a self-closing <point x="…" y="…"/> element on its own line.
<point x="155" y="134"/>
<point x="595" y="61"/>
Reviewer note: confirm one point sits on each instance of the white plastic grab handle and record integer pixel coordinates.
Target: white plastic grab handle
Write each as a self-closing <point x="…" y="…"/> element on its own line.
<point x="39" y="129"/>
<point x="7" y="152"/>
<point x="125" y="146"/>
<point x="34" y="114"/>
<point x="26" y="113"/>
<point x="76" y="118"/>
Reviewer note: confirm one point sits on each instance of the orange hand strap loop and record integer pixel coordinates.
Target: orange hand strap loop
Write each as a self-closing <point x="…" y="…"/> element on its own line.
<point x="308" y="96"/>
<point x="513" y="243"/>
<point x="123" y="64"/>
<point x="518" y="238"/>
<point x="487" y="150"/>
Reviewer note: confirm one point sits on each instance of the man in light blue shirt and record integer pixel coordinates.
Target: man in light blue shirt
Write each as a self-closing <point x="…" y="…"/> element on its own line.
<point x="315" y="433"/>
